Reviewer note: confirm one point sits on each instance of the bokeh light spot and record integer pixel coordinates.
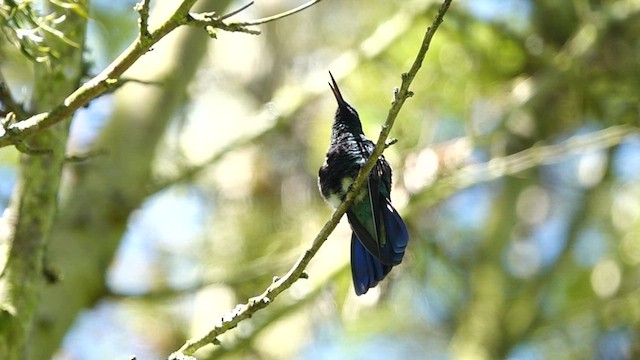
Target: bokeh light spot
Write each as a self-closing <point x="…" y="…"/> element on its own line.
<point x="605" y="278"/>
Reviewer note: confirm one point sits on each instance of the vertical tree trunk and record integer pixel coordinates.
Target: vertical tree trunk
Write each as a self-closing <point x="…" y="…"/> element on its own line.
<point x="107" y="189"/>
<point x="27" y="222"/>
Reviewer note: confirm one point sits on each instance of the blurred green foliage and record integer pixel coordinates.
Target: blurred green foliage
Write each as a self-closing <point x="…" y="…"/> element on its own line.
<point x="538" y="263"/>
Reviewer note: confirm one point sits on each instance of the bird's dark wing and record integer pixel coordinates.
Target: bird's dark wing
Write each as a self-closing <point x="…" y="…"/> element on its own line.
<point x="377" y="224"/>
<point x="365" y="219"/>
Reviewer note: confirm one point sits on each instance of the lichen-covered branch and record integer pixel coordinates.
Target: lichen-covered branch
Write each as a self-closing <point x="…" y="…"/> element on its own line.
<point x="14" y="132"/>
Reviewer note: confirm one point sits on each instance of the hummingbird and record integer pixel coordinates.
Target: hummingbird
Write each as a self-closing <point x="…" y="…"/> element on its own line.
<point x="379" y="236"/>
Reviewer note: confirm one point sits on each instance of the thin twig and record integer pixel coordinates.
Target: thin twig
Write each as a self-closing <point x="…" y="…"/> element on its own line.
<point x="234" y="12"/>
<point x="26" y="149"/>
<point x="278" y="313"/>
<point x="8" y="101"/>
<point x="81" y="157"/>
<point x="245" y="311"/>
<point x="126" y="80"/>
<point x="115" y="84"/>
<point x="281" y="15"/>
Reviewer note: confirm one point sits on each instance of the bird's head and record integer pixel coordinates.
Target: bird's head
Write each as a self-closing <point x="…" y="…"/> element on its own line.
<point x="346" y="117"/>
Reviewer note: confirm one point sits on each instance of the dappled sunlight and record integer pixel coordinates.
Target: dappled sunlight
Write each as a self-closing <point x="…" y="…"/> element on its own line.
<point x="420" y="170"/>
<point x="523" y="259"/>
<point x="630" y="248"/>
<point x="533" y="205"/>
<point x="591" y="168"/>
<point x="606" y="278"/>
<point x="625" y="208"/>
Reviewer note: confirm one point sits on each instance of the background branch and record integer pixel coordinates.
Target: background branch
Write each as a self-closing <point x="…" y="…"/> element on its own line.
<point x="515" y="163"/>
<point x="237" y="11"/>
<point x="279" y="16"/>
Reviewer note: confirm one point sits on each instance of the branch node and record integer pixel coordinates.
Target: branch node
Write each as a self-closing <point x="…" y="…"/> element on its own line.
<point x="143" y="22"/>
<point x="252" y="302"/>
<point x="9" y="119"/>
<point x="210" y="16"/>
<point x="211" y="31"/>
<point x="211" y="21"/>
<point x="390" y="142"/>
<point x="88" y="155"/>
<point x="51" y="275"/>
<point x="25" y="149"/>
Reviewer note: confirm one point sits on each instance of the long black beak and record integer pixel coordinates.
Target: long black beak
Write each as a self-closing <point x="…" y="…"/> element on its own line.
<point x="336" y="91"/>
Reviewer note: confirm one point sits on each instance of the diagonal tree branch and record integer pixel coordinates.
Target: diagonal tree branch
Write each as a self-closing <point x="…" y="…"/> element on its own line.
<point x="13" y="133"/>
<point x="245" y="311"/>
<point x="276" y="314"/>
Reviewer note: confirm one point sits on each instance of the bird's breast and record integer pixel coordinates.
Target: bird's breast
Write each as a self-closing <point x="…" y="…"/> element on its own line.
<point x="346" y="155"/>
<point x="336" y="196"/>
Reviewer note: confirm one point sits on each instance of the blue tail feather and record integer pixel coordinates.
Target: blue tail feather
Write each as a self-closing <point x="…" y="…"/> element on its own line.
<point x="391" y="250"/>
<point x="366" y="270"/>
<point x="397" y="234"/>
